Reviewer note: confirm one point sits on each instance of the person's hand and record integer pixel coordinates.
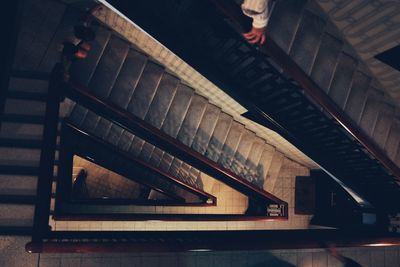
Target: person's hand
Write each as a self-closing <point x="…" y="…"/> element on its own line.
<point x="255" y="36"/>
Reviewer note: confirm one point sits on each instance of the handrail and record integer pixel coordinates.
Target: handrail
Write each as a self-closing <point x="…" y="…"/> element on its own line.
<point x="158" y="138"/>
<point x="47" y="155"/>
<point x="77" y="134"/>
<point x="174" y="241"/>
<point x="165" y="217"/>
<point x="140" y="202"/>
<point x="232" y="11"/>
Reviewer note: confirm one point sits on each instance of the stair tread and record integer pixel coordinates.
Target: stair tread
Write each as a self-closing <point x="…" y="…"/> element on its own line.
<point x="17" y="199"/>
<point x="23" y="118"/>
<point x="19" y="170"/>
<point x="82" y="70"/>
<point x="145" y="89"/>
<point x="21" y="143"/>
<point x="307" y="40"/>
<point x="35" y="96"/>
<point x="108" y="67"/>
<point x="35" y="75"/>
<point x="16" y="230"/>
<point x="326" y="60"/>
<point x="342" y="80"/>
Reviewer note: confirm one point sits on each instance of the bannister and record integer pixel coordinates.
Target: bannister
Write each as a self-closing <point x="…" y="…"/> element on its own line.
<point x="158" y="138"/>
<point x="173" y="241"/>
<point x="166" y="217"/>
<point x="270" y="48"/>
<point x="72" y="135"/>
<point x="47" y="155"/>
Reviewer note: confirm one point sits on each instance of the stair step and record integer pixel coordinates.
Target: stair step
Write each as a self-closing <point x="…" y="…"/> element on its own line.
<point x="370" y="112"/>
<point x="251" y="172"/>
<point x="284" y="22"/>
<point x="326" y="60"/>
<point x="136" y="146"/>
<point x="307" y="40"/>
<point x="393" y="140"/>
<point x="16" y="214"/>
<point x="103" y="128"/>
<point x="128" y="78"/>
<point x="177" y="110"/>
<point x="33" y="75"/>
<point x="383" y="125"/>
<point x="273" y="174"/>
<point x="231" y="144"/>
<point x="243" y="151"/>
<point x="146" y="89"/>
<point x="219" y="136"/>
<point x="264" y="166"/>
<point x="82" y="70"/>
<point x="156" y="157"/>
<point x="90" y="121"/>
<point x="146" y="152"/>
<point x="162" y="100"/>
<point x="125" y="140"/>
<point x="19" y="170"/>
<point x="23" y="118"/>
<point x="19" y="156"/>
<point x="192" y="120"/>
<point x="21" y="131"/>
<point x="18" y="184"/>
<point x="342" y="79"/>
<point x="206" y="128"/>
<point x="24" y="107"/>
<point x="114" y="134"/>
<point x="358" y="96"/>
<point x="27" y="95"/>
<point x="18" y="199"/>
<point x="108" y="67"/>
<point x="16" y="230"/>
<point x="37" y="87"/>
<point x="21" y="143"/>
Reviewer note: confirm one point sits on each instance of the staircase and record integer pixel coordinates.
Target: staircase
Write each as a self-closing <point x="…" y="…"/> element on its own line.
<point x="44" y="26"/>
<point x="20" y="144"/>
<point x="316" y="45"/>
<point x="272" y="86"/>
<point x="118" y="72"/>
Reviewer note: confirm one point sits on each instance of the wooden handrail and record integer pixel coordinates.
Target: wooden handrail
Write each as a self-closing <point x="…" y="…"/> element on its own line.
<point x="270" y="48"/>
<point x="47" y="155"/>
<point x="174" y="241"/>
<point x="73" y="133"/>
<point x="141" y="202"/>
<point x="160" y="139"/>
<point x="166" y="217"/>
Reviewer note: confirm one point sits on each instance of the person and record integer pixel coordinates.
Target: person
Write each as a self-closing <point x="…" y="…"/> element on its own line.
<point x="259" y="11"/>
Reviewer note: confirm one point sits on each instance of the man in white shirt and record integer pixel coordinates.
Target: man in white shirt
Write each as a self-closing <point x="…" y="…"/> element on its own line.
<point x="259" y="11"/>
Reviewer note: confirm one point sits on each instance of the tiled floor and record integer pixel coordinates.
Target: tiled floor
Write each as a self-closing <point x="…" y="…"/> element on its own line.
<point x="229" y="201"/>
<point x="12" y="254"/>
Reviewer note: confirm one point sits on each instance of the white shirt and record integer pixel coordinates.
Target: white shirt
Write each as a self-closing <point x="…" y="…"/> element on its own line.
<point x="258" y="10"/>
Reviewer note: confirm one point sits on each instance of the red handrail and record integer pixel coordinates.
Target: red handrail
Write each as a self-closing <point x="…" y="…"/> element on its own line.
<point x="144" y="130"/>
<point x="233" y="12"/>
